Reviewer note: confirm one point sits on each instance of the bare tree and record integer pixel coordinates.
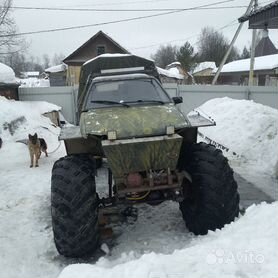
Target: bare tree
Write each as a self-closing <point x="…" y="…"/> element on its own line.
<point x="46" y="61"/>
<point x="58" y="59"/>
<point x="9" y="42"/>
<point x="212" y="46"/>
<point x="165" y="55"/>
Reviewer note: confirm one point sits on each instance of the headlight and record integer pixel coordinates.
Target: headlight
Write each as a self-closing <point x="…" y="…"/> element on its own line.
<point x="170" y="130"/>
<point x="112" y="135"/>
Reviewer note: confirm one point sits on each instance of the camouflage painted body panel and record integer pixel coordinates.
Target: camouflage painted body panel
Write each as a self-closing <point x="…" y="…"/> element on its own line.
<point x="134" y="121"/>
<point x="142" y="154"/>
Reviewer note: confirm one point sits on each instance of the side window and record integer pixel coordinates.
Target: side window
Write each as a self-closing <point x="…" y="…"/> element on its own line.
<point x="100" y="49"/>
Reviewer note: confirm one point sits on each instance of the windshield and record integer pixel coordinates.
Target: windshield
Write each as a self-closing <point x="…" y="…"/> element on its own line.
<point x="119" y="92"/>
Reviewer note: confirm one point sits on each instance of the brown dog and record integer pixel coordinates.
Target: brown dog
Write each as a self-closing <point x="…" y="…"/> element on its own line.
<point x="36" y="146"/>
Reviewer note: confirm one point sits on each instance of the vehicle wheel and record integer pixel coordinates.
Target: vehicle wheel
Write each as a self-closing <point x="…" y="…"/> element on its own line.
<point x="212" y="199"/>
<point x="74" y="206"/>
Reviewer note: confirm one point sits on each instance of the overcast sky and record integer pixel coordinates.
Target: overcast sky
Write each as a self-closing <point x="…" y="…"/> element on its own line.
<point x="141" y="37"/>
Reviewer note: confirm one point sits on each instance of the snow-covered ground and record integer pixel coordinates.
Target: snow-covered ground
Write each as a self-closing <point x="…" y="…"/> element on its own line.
<point x="158" y="244"/>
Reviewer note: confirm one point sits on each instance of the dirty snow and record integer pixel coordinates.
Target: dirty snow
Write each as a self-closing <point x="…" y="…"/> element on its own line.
<point x="7" y="74"/>
<point x="156" y="245"/>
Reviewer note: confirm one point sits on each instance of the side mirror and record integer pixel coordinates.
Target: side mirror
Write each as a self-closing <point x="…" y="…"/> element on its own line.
<point x="177" y="100"/>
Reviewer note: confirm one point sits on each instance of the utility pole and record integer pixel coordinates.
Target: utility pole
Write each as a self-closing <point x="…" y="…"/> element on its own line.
<point x="252" y="58"/>
<point x="231" y="45"/>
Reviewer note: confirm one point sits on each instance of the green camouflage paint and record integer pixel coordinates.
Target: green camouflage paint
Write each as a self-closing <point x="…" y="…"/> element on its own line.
<point x="134" y="121"/>
<point x="142" y="154"/>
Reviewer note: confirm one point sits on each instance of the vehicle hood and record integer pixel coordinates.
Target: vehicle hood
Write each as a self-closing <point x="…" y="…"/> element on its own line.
<point x="133" y="121"/>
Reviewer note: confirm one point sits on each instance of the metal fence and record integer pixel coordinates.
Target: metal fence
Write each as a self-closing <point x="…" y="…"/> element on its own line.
<point x="65" y="97"/>
<point x="193" y="95"/>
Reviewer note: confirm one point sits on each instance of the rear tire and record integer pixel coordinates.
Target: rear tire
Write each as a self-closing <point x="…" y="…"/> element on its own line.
<point x="212" y="199"/>
<point x="74" y="206"/>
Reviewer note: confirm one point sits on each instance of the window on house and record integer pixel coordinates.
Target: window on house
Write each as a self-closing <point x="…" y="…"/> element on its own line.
<point x="100" y="50"/>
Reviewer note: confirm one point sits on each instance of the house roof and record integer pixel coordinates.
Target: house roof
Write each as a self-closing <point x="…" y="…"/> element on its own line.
<point x="269" y="62"/>
<point x="265" y="47"/>
<point x="100" y="33"/>
<point x="58" y="68"/>
<point x="203" y="66"/>
<point x="172" y="73"/>
<point x="263" y="17"/>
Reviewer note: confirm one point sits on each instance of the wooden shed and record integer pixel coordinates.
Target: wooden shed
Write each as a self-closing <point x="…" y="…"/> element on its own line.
<point x="99" y="44"/>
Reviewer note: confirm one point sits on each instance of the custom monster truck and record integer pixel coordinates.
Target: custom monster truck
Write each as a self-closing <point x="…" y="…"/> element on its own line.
<point x="127" y="118"/>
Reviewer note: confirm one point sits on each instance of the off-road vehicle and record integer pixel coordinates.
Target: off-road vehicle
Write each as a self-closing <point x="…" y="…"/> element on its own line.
<point x="128" y="119"/>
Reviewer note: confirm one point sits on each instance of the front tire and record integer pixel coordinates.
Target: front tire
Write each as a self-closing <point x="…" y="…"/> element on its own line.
<point x="74" y="206"/>
<point x="212" y="199"/>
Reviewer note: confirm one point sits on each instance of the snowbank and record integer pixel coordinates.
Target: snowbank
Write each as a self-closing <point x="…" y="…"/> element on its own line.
<point x="247" y="128"/>
<point x="238" y="250"/>
<point x="7" y="74"/>
<point x="29" y="111"/>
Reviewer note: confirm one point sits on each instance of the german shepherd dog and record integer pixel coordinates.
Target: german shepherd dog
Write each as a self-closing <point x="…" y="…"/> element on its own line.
<point x="36" y="146"/>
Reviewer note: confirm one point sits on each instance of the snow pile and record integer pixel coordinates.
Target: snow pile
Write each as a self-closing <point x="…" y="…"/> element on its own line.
<point x="268" y="62"/>
<point x="238" y="250"/>
<point x="246" y="128"/>
<point x="7" y="74"/>
<point x="29" y="114"/>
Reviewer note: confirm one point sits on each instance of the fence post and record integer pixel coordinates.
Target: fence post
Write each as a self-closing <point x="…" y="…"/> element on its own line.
<point x="248" y="93"/>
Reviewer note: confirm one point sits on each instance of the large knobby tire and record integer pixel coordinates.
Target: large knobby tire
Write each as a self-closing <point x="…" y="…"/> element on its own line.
<point x="74" y="206"/>
<point x="212" y="199"/>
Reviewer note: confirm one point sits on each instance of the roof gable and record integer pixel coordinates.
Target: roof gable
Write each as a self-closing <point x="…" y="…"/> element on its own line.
<point x="265" y="47"/>
<point x="88" y="50"/>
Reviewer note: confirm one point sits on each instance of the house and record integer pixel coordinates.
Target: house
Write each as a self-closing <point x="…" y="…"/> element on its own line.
<point x="99" y="44"/>
<point x="174" y="73"/>
<point x="8" y="83"/>
<point x="203" y="72"/>
<point x="237" y="72"/>
<point x="265" y="46"/>
<point x="262" y="18"/>
<point x="57" y="75"/>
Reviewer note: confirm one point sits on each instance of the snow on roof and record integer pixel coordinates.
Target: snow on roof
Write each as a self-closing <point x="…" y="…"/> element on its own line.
<point x="107" y="55"/>
<point x="268" y="62"/>
<point x="7" y="74"/>
<point x="172" y="73"/>
<point x="58" y="68"/>
<point x="31" y="73"/>
<point x="173" y="64"/>
<point x="34" y="82"/>
<point x="204" y="65"/>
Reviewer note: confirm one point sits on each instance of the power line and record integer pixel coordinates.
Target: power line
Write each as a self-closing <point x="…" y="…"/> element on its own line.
<point x="232" y="23"/>
<point x="122" y="10"/>
<point x="115" y="21"/>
